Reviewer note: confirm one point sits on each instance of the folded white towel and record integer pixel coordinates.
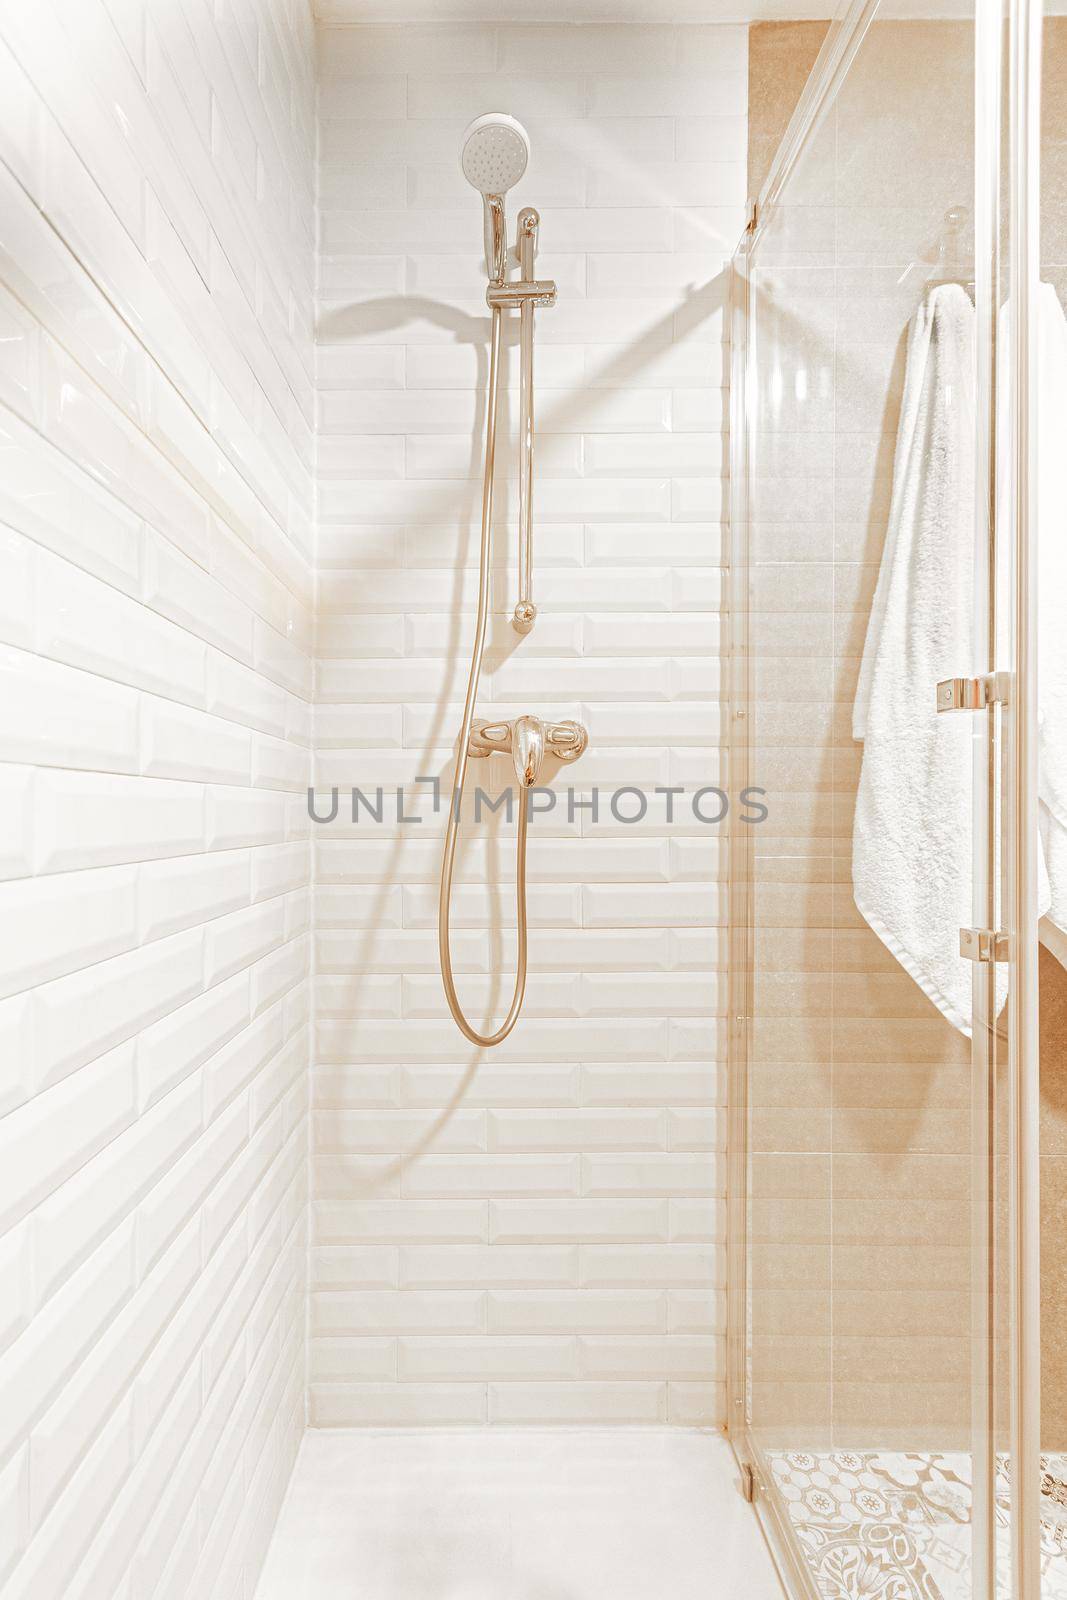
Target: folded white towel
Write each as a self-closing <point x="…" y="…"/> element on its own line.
<point x="911" y="853"/>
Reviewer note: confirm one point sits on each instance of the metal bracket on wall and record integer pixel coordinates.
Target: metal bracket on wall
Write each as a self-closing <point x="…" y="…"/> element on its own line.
<point x="747" y="1485"/>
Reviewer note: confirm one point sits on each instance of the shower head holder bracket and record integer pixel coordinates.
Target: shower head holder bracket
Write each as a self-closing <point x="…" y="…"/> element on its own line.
<point x="518" y="291"/>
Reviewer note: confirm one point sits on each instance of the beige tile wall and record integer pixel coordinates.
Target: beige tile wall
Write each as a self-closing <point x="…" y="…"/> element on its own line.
<point x="780" y="58"/>
<point x="860" y="1091"/>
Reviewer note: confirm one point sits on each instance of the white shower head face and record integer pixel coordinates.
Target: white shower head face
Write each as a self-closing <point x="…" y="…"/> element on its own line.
<point x="495" y="151"/>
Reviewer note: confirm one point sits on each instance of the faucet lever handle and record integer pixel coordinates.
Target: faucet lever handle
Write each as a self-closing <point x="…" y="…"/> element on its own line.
<point x="528" y="749"/>
<point x="565" y="740"/>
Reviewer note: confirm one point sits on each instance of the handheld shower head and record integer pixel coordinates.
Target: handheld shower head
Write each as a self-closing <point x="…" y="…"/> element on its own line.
<point x="495" y="151"/>
<point x="493" y="156"/>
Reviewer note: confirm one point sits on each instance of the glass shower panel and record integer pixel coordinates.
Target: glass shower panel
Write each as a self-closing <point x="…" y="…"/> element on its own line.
<point x="1030" y="378"/>
<point x="1052" y="955"/>
<point x="791" y="715"/>
<point x="1030" y="1038"/>
<point x="869" y="1191"/>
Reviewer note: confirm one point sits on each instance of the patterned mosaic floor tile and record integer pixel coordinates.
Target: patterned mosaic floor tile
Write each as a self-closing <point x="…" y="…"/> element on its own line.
<point x="891" y="1525"/>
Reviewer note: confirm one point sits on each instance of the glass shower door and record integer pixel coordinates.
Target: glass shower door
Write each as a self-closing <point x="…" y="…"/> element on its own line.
<point x="1052" y="952"/>
<point x="882" y="1093"/>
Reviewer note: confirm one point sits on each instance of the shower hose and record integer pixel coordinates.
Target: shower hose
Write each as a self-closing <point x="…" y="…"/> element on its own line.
<point x="463" y="752"/>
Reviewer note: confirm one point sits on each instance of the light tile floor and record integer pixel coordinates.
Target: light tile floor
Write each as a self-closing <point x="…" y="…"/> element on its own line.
<point x="509" y="1514"/>
<point x="896" y="1525"/>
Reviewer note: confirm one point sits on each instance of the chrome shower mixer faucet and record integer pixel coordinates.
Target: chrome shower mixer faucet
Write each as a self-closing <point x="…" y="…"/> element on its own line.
<point x="495" y="152"/>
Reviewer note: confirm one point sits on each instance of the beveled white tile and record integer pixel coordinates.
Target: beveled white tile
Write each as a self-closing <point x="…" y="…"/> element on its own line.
<point x="177" y="289"/>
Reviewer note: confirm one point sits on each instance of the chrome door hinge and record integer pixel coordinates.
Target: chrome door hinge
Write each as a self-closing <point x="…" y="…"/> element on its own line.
<point x="984" y="944"/>
<point x="974" y="694"/>
<point x="748" y="1481"/>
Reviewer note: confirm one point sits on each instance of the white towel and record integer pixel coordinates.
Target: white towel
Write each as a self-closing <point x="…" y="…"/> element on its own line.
<point x="912" y="841"/>
<point x="911" y="852"/>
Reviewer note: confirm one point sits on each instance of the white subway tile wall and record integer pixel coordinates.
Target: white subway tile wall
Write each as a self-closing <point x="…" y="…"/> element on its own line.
<point x="156" y="591"/>
<point x="532" y="1234"/>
